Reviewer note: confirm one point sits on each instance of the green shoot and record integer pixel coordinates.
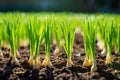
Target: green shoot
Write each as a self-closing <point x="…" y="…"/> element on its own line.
<point x="23" y="42"/>
<point x="58" y="38"/>
<point x="39" y="33"/>
<point x="106" y="36"/>
<point x="108" y="39"/>
<point x="1" y="38"/>
<point x="116" y="38"/>
<point x="13" y="38"/>
<point x="48" y="38"/>
<point x="35" y="34"/>
<point x="101" y="36"/>
<point x="89" y="35"/>
<point x="68" y="29"/>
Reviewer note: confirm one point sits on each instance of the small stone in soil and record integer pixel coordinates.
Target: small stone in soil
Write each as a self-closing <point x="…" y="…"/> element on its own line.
<point x="78" y="55"/>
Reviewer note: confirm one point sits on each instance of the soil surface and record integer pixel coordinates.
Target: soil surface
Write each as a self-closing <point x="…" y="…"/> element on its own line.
<point x="10" y="71"/>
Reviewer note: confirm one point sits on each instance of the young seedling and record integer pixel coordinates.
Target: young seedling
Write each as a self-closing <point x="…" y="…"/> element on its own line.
<point x="4" y="42"/>
<point x="89" y="35"/>
<point x="35" y="33"/>
<point x="101" y="36"/>
<point x="108" y="38"/>
<point x="58" y="37"/>
<point x="106" y="35"/>
<point x="12" y="30"/>
<point x="48" y="38"/>
<point x="39" y="33"/>
<point x="1" y="32"/>
<point x="116" y="37"/>
<point x="68" y="29"/>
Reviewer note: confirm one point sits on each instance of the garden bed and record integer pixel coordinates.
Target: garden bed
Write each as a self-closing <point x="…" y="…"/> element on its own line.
<point x="9" y="71"/>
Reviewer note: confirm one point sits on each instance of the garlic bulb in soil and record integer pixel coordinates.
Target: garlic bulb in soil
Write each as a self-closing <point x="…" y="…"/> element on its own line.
<point x="69" y="63"/>
<point x="87" y="62"/>
<point x="18" y="54"/>
<point x="37" y="63"/>
<point x="94" y="67"/>
<point x="47" y="62"/>
<point x="104" y="52"/>
<point x="15" y="60"/>
<point x="57" y="51"/>
<point x="100" y="45"/>
<point x="108" y="59"/>
<point x="31" y="61"/>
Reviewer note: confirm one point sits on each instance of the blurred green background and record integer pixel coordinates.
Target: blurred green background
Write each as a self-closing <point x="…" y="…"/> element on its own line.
<point x="111" y="6"/>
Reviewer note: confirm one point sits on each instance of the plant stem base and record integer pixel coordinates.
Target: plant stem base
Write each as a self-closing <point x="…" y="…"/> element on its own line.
<point x="93" y="68"/>
<point x="47" y="62"/>
<point x="87" y="62"/>
<point x="15" y="60"/>
<point x="108" y="60"/>
<point x="18" y="55"/>
<point x="69" y="63"/>
<point x="31" y="61"/>
<point x="37" y="64"/>
<point x="1" y="53"/>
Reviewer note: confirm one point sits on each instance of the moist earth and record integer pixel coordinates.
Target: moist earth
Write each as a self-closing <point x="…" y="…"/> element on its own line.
<point x="59" y="71"/>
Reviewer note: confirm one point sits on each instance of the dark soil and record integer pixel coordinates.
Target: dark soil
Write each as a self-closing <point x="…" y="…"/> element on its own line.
<point x="10" y="71"/>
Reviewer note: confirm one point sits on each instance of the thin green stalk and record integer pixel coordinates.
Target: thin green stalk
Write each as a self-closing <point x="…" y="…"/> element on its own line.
<point x="35" y="31"/>
<point x="23" y="42"/>
<point x="1" y="38"/>
<point x="116" y="38"/>
<point x="39" y="33"/>
<point x="32" y="40"/>
<point x="108" y="39"/>
<point x="48" y="39"/>
<point x="68" y="29"/>
<point x="106" y="35"/>
<point x="58" y="37"/>
<point x="89" y="35"/>
<point x="12" y="30"/>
